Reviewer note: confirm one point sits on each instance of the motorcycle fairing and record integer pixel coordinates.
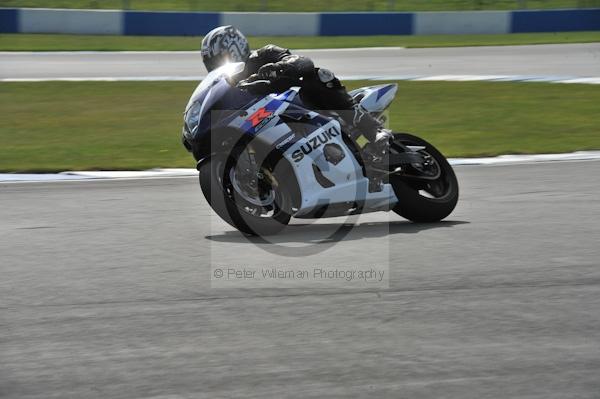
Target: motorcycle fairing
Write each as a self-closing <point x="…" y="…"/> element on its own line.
<point x="349" y="183"/>
<point x="273" y="130"/>
<point x="375" y="98"/>
<point x="261" y="115"/>
<point x="278" y="104"/>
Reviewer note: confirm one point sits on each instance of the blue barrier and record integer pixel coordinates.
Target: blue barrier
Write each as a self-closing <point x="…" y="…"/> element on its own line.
<point x="9" y="20"/>
<point x="555" y="20"/>
<point x="169" y="23"/>
<point x="392" y="23"/>
<point x="285" y="24"/>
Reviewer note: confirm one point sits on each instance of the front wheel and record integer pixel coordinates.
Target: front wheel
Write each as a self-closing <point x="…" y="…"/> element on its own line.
<point x="254" y="201"/>
<point x="428" y="193"/>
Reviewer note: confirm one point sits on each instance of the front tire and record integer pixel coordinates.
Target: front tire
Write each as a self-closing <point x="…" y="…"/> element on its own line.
<point x="425" y="201"/>
<point x="260" y="216"/>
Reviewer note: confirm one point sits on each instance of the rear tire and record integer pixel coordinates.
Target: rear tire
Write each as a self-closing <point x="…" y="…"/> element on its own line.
<point x="413" y="204"/>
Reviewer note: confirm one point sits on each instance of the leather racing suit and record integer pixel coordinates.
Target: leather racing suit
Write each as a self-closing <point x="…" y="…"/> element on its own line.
<point x="320" y="89"/>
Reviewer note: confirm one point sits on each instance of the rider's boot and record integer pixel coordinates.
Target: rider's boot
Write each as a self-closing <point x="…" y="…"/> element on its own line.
<point x="379" y="137"/>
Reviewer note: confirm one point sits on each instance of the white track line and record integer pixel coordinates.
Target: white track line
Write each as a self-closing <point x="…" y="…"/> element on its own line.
<point x="107" y="79"/>
<point x="420" y="78"/>
<point x="75" y="53"/>
<point x="525" y="159"/>
<point x="196" y="52"/>
<point x="171" y="173"/>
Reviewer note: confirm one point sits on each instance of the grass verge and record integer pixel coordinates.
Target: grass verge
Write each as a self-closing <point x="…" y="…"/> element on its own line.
<point x="46" y="42"/>
<point x="55" y="126"/>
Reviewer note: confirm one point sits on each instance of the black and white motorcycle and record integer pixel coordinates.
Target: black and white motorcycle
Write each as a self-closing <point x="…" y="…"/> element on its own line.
<point x="264" y="158"/>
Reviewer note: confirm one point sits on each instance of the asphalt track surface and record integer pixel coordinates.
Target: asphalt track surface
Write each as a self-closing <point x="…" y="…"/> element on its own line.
<point x="106" y="293"/>
<point x="564" y="60"/>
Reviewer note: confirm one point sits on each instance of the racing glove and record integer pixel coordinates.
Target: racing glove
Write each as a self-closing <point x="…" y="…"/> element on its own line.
<point x="273" y="71"/>
<point x="292" y="67"/>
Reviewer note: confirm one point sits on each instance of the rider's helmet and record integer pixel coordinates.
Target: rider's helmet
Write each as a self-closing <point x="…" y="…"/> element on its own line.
<point x="224" y="44"/>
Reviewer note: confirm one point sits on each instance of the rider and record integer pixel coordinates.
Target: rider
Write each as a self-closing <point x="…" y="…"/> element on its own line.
<point x="319" y="86"/>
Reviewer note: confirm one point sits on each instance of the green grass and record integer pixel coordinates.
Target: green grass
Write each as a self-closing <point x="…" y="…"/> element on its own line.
<point x="58" y="126"/>
<point x="42" y="42"/>
<point x="305" y="5"/>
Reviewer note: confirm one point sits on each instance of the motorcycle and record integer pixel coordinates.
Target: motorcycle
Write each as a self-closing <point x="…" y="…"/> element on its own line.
<point x="264" y="157"/>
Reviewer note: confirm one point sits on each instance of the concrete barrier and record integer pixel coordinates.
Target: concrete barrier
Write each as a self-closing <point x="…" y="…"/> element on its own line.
<point x="32" y="20"/>
<point x="476" y="22"/>
<point x="114" y="22"/>
<point x="273" y="24"/>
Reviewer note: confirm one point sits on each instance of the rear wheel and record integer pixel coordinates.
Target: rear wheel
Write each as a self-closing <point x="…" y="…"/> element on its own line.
<point x="253" y="199"/>
<point x="426" y="192"/>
